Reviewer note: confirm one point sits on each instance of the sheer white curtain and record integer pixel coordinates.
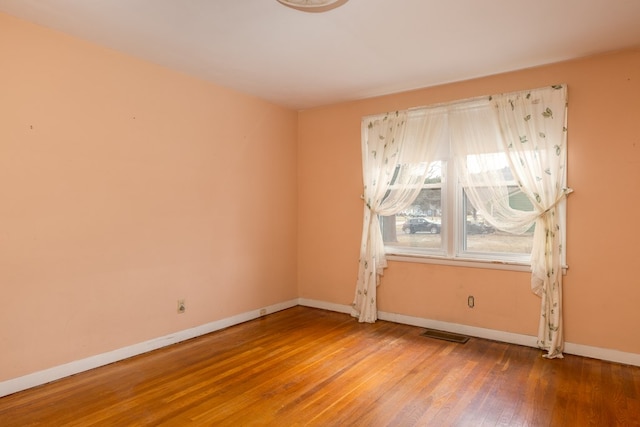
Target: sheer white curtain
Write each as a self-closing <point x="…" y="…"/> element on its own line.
<point x="396" y="151"/>
<point x="518" y="141"/>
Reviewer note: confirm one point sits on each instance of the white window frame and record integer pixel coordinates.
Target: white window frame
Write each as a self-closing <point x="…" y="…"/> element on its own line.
<point x="452" y="235"/>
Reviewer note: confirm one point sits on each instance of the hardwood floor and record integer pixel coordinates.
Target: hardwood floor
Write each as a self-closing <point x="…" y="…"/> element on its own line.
<point x="304" y="366"/>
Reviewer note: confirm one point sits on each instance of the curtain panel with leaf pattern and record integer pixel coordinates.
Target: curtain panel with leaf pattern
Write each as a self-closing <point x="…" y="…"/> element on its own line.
<point x="394" y="165"/>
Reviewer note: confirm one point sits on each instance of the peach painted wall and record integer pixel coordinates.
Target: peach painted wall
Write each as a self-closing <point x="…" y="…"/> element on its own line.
<point x="602" y="287"/>
<point x="125" y="186"/>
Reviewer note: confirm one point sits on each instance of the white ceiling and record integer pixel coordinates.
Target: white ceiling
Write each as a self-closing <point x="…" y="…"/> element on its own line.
<point x="361" y="49"/>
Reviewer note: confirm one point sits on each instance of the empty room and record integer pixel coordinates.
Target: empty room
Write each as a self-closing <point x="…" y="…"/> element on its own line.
<point x="324" y="213"/>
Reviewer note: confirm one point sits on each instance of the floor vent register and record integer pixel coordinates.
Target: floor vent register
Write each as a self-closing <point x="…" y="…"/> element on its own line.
<point x="446" y="336"/>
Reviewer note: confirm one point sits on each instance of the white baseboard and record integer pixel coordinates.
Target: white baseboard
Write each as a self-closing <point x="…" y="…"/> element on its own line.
<point x="472" y="331"/>
<point x="491" y="334"/>
<point x="340" y="308"/>
<point x="45" y="376"/>
<point x="602" y="354"/>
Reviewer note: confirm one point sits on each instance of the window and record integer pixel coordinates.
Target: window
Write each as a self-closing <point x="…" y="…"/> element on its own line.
<point x="456" y="230"/>
<point x="443" y="223"/>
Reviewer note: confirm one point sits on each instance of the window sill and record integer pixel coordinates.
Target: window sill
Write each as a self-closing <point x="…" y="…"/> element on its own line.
<point x="464" y="262"/>
<point x="460" y="262"/>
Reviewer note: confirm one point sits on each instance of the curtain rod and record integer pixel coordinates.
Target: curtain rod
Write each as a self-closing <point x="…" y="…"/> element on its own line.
<point x="458" y="102"/>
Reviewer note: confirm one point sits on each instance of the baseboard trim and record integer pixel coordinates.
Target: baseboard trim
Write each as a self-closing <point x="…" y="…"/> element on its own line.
<point x="45" y="376"/>
<point x="340" y="308"/>
<point x="606" y="354"/>
<point x="472" y="331"/>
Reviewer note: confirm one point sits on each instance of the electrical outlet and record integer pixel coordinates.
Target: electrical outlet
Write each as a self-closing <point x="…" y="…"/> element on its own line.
<point x="471" y="301"/>
<point x="181" y="306"/>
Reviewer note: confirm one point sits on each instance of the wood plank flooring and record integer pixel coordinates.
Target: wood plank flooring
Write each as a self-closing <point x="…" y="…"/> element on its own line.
<point x="305" y="366"/>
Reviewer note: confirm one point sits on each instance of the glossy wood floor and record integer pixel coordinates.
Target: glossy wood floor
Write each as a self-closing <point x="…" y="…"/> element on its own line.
<point x="305" y="366"/>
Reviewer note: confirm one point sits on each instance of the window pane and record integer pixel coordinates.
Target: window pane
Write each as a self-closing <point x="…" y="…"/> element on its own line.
<point x="480" y="237"/>
<point x="418" y="226"/>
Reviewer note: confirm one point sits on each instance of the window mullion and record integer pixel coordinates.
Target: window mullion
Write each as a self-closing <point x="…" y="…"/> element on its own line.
<point x="449" y="197"/>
